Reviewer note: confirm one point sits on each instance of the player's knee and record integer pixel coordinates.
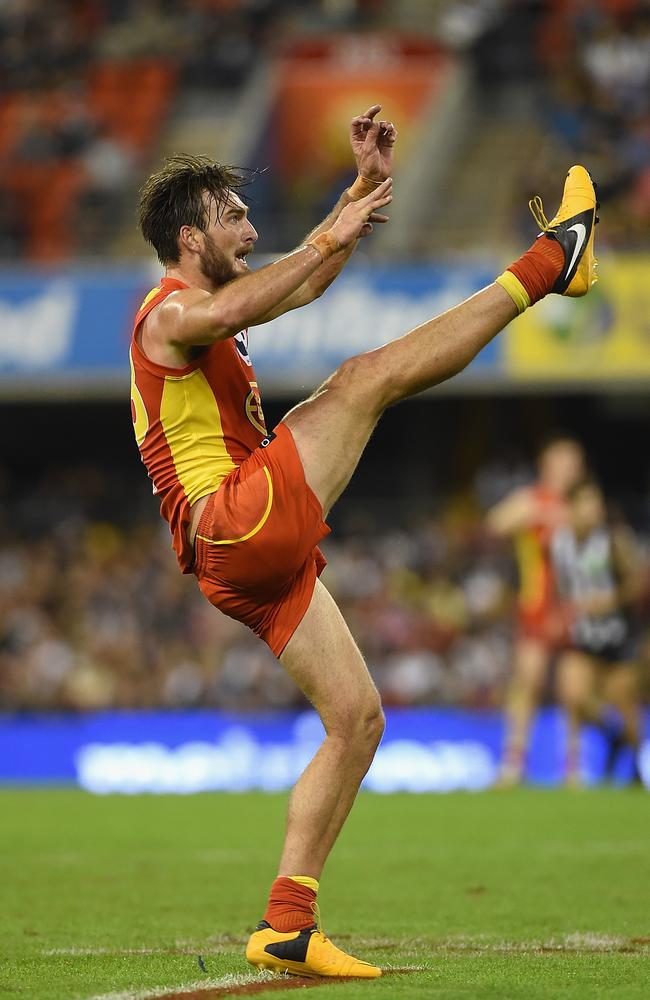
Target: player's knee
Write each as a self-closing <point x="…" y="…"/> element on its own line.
<point x="373" y="722"/>
<point x="362" y="377"/>
<point x="360" y="725"/>
<point x="573" y="701"/>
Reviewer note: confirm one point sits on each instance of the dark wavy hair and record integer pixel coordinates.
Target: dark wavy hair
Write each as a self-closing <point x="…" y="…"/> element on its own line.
<point x="180" y="194"/>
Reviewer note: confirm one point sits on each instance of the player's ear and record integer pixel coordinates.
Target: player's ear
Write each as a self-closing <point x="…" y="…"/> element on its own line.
<point x="189" y="239"/>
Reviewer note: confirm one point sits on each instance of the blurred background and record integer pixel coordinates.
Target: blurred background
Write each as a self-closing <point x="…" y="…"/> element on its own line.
<point x="494" y="100"/>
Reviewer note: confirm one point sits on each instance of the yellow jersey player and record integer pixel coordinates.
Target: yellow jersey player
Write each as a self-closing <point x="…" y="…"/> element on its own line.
<point x="247" y="505"/>
<point x="529" y="516"/>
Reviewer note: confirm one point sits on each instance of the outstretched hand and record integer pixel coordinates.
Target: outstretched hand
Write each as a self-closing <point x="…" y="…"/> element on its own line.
<point x="372" y="144"/>
<point x="356" y="218"/>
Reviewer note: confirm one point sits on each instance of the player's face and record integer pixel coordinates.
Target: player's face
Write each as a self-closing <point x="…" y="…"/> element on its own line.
<point x="562" y="465"/>
<point x="588" y="509"/>
<point x="229" y="239"/>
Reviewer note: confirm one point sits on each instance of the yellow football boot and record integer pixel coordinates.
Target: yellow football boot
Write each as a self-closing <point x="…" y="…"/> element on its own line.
<point x="303" y="953"/>
<point x="573" y="227"/>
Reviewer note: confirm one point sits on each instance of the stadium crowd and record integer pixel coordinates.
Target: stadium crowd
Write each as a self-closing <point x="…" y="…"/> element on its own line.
<point x="596" y="61"/>
<point x="581" y="71"/>
<point x="94" y="614"/>
<point x="87" y="89"/>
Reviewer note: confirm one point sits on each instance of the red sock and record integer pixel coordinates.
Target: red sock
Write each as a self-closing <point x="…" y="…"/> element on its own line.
<point x="290" y="906"/>
<point x="539" y="268"/>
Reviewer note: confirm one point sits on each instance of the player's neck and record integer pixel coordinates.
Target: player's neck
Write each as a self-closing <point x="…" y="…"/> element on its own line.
<point x="193" y="277"/>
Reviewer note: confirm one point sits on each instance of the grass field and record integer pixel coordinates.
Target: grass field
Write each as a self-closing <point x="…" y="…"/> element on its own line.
<point x="515" y="894"/>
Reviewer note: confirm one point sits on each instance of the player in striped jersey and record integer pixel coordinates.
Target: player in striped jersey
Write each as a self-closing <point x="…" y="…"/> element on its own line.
<point x="597" y="576"/>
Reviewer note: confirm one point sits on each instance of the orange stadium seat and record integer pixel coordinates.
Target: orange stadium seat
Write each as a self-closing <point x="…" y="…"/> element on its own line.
<point x="11" y="115"/>
<point x="47" y="195"/>
<point x="130" y="98"/>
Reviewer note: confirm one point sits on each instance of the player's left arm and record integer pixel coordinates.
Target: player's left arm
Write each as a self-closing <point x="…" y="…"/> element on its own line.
<point x="627" y="566"/>
<point x="372" y="144"/>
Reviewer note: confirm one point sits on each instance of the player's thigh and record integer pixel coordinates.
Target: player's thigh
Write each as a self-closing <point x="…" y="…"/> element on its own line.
<point x="332" y="427"/>
<point x="325" y="662"/>
<point x="576" y="678"/>
<point x="621" y="684"/>
<point x="531" y="662"/>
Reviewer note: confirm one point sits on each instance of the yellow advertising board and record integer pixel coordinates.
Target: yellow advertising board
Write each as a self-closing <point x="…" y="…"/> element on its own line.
<point x="604" y="336"/>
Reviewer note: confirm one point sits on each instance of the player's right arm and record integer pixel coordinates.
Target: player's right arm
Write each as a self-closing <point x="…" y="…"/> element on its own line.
<point x="194" y="317"/>
<point x="512" y="514"/>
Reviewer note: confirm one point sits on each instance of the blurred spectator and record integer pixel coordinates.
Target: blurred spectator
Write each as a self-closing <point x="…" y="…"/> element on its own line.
<point x="94" y="614"/>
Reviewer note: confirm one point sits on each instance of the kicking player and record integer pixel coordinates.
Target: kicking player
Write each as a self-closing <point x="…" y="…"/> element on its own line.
<point x="598" y="578"/>
<point x="530" y="515"/>
<point x="247" y="506"/>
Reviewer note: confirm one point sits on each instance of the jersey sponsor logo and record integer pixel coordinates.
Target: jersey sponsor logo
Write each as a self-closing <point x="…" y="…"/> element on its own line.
<point x="253" y="407"/>
<point x="265" y="442"/>
<point x="241" y="343"/>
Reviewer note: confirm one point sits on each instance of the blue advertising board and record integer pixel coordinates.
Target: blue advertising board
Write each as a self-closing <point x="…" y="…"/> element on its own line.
<point x="71" y="327"/>
<point x="54" y="323"/>
<point x="424" y="750"/>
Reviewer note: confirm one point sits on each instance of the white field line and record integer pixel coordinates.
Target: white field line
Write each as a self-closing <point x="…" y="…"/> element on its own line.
<point x="223" y="982"/>
<point x="117" y="952"/>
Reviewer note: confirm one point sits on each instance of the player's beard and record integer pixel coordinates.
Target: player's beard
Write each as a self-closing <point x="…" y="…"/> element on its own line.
<point x="215" y="266"/>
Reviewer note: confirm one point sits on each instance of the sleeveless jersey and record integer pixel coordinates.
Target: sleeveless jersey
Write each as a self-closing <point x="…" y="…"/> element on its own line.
<point x="585" y="568"/>
<point x="532" y="548"/>
<point x="193" y="425"/>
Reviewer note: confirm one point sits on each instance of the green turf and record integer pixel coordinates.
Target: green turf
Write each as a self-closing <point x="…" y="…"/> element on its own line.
<point x="525" y="894"/>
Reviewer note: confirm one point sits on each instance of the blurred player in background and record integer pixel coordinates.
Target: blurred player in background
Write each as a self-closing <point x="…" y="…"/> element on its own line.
<point x="246" y="506"/>
<point x="530" y="515"/>
<point x="598" y="578"/>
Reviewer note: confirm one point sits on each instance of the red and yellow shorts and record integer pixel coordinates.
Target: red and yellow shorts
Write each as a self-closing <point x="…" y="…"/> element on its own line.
<point x="255" y="551"/>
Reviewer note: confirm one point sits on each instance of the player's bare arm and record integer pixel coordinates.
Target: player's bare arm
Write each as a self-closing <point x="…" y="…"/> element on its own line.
<point x="196" y="317"/>
<point x="372" y="144"/>
<point x="627" y="566"/>
<point x="514" y="513"/>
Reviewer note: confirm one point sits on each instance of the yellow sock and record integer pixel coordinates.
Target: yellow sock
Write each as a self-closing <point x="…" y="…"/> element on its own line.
<point x="513" y="286"/>
<point x="311" y="883"/>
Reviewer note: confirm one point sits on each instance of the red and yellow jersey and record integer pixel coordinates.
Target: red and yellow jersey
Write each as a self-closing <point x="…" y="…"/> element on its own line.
<point x="193" y="425"/>
<point x="533" y="551"/>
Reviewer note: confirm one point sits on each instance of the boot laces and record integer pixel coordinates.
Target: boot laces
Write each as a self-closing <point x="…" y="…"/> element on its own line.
<point x="315" y="909"/>
<point x="537" y="211"/>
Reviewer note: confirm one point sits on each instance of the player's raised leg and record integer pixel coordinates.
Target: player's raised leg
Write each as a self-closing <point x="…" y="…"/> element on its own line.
<point x="325" y="662"/>
<point x="332" y="428"/>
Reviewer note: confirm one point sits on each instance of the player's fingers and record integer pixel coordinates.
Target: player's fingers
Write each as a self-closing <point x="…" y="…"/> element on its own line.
<point x="377" y="217"/>
<point x="383" y="189"/>
<point x="379" y="202"/>
<point x="366" y="229"/>
<point x="387" y="133"/>
<point x="373" y="110"/>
